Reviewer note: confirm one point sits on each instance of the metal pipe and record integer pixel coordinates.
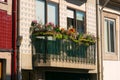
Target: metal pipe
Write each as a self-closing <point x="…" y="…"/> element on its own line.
<point x="105" y="4"/>
<point x="98" y="41"/>
<point x="101" y="34"/>
<point x="14" y="27"/>
<point x="99" y="23"/>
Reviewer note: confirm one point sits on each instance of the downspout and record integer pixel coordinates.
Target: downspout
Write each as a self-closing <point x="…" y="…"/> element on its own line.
<point x="99" y="23"/>
<point x="18" y="56"/>
<point x="101" y="34"/>
<point x="14" y="26"/>
<point x="98" y="38"/>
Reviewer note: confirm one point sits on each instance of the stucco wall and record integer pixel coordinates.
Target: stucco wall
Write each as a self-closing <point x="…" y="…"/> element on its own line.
<point x="111" y="70"/>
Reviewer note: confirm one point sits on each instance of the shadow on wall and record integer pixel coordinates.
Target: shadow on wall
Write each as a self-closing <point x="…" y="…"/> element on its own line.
<point x="77" y="2"/>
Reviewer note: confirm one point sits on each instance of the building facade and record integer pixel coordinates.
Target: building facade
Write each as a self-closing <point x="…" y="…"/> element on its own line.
<point x="35" y="64"/>
<point x="110" y="32"/>
<point x="5" y="39"/>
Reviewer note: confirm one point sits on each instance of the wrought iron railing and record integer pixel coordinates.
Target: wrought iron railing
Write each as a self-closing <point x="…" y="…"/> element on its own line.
<point x="63" y="50"/>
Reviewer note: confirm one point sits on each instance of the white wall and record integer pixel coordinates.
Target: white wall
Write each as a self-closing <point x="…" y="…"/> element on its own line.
<point x="27" y="14"/>
<point x="111" y="70"/>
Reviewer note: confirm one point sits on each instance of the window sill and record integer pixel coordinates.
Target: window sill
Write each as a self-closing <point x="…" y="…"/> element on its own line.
<point x="112" y="56"/>
<point x="111" y="53"/>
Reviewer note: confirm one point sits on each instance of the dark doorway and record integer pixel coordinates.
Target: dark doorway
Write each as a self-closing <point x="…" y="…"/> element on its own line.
<point x="66" y="76"/>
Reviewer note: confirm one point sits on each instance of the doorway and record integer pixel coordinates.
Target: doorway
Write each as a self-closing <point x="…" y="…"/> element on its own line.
<point x="67" y="76"/>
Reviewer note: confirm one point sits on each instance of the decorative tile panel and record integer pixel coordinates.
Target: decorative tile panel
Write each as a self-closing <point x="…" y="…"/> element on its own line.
<point x="91" y="17"/>
<point x="27" y="14"/>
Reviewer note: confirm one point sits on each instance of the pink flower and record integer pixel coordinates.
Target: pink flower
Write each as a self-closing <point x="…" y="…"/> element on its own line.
<point x="34" y="21"/>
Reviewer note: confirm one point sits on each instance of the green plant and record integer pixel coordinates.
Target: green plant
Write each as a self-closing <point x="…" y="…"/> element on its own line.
<point x="50" y="30"/>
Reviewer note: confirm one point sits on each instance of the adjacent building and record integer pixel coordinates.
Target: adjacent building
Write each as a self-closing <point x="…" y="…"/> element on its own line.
<point x="8" y="40"/>
<point x="5" y="39"/>
<point x="110" y="38"/>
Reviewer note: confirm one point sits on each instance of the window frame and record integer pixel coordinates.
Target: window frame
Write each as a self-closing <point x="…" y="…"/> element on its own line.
<point x="46" y="2"/>
<point x="108" y="48"/>
<point x="75" y="18"/>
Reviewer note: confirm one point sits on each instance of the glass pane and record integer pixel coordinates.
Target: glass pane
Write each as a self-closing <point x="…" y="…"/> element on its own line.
<point x="70" y="13"/>
<point x="70" y="22"/>
<point x="40" y="11"/>
<point x="80" y="21"/>
<point x="112" y="35"/>
<point x="106" y="35"/>
<point x="52" y="13"/>
<point x="70" y="18"/>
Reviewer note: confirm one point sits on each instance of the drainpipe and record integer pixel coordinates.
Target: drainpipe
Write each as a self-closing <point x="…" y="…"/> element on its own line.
<point x="101" y="34"/>
<point x="14" y="62"/>
<point x="98" y="38"/>
<point x="19" y="40"/>
<point x="99" y="24"/>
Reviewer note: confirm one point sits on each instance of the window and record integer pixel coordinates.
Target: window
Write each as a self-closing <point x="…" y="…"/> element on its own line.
<point x="40" y="11"/>
<point x="76" y="19"/>
<point x="46" y="12"/>
<point x="109" y="34"/>
<point x="3" y="0"/>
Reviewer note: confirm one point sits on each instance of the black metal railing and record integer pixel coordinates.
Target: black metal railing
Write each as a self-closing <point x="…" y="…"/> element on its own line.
<point x="47" y="48"/>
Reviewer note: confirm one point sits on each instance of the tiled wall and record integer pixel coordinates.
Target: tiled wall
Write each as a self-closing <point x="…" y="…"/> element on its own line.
<point x="6" y="37"/>
<point x="5" y="30"/>
<point x="62" y="13"/>
<point x="91" y="16"/>
<point x="27" y="14"/>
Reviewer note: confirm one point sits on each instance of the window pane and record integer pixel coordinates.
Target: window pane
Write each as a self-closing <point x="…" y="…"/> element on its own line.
<point x="52" y="13"/>
<point x="40" y="11"/>
<point x="106" y="35"/>
<point x="112" y="35"/>
<point x="70" y="18"/>
<point x="80" y="21"/>
<point x="70" y="22"/>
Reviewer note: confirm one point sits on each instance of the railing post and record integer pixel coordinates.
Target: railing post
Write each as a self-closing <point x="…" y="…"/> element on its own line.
<point x="45" y="54"/>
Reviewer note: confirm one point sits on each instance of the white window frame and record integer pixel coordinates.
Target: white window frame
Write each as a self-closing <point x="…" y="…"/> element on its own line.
<point x="108" y="49"/>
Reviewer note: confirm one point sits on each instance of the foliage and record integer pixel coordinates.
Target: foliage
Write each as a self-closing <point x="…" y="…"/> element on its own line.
<point x="49" y="29"/>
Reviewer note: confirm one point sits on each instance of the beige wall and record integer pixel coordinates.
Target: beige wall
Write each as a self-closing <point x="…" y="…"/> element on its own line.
<point x="7" y="6"/>
<point x="7" y="64"/>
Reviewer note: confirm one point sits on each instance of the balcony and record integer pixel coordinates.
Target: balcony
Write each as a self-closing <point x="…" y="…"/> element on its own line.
<point x="50" y="52"/>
